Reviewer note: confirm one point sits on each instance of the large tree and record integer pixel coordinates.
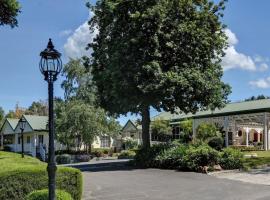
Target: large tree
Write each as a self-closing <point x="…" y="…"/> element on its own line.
<point x="38" y="108"/>
<point x="9" y="9"/>
<point x="78" y="118"/>
<point x="163" y="54"/>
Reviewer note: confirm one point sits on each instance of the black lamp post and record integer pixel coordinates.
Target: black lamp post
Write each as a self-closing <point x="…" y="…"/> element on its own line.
<point x="22" y="123"/>
<point x="50" y="66"/>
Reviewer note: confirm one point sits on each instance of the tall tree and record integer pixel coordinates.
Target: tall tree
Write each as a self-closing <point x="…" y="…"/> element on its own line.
<point x="9" y="10"/>
<point x="80" y="120"/>
<point x="164" y="54"/>
<point x="38" y="108"/>
<point x="78" y="82"/>
<point x="78" y="117"/>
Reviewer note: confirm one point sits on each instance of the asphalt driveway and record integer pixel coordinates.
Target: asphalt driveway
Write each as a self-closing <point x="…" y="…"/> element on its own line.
<point x="112" y="180"/>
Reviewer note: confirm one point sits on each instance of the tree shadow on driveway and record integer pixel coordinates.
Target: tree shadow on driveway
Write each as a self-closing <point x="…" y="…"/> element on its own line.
<point x="104" y="166"/>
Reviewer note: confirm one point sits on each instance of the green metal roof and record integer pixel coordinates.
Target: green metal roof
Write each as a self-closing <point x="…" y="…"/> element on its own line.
<point x="13" y="122"/>
<point x="37" y="122"/>
<point x="230" y="109"/>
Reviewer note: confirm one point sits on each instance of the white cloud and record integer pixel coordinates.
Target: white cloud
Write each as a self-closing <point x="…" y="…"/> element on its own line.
<point x="263" y="83"/>
<point x="76" y="44"/>
<point x="258" y="58"/>
<point x="65" y="33"/>
<point x="232" y="39"/>
<point x="263" y="67"/>
<point x="233" y="58"/>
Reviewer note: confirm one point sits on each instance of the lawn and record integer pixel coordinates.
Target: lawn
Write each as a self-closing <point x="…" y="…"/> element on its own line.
<point x="21" y="176"/>
<point x="12" y="161"/>
<point x="262" y="159"/>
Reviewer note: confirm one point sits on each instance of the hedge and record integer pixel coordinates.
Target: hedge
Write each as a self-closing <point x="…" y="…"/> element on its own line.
<point x="16" y="184"/>
<point x="44" y="195"/>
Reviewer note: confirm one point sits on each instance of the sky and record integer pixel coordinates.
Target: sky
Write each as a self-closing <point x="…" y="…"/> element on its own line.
<point x="246" y="64"/>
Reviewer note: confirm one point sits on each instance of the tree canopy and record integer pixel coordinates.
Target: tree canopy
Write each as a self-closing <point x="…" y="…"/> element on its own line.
<point x="38" y="108"/>
<point x="252" y="98"/>
<point x="9" y="10"/>
<point x="2" y="115"/>
<point x="78" y="118"/>
<point x="164" y="54"/>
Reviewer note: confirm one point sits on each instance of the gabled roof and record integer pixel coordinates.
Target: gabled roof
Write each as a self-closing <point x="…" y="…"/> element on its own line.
<point x="134" y="124"/>
<point x="245" y="107"/>
<point x="36" y="122"/>
<point x="12" y="122"/>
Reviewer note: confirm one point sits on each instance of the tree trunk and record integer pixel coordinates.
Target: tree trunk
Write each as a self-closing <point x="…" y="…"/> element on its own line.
<point x="146" y="126"/>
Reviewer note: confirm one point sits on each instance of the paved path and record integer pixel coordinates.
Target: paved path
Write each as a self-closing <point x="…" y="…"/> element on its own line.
<point x="114" y="181"/>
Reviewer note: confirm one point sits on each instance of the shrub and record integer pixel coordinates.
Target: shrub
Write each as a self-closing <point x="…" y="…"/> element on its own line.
<point x="185" y="137"/>
<point x="16" y="184"/>
<point x="70" y="152"/>
<point x="97" y="153"/>
<point x="7" y="148"/>
<point x="130" y="143"/>
<point x="63" y="159"/>
<point x="205" y="131"/>
<point x="197" y="157"/>
<point x="216" y="143"/>
<point x="82" y="158"/>
<point x="100" y="152"/>
<point x="147" y="157"/>
<point x="172" y="158"/>
<point x="127" y="154"/>
<point x="231" y="159"/>
<point x="44" y="195"/>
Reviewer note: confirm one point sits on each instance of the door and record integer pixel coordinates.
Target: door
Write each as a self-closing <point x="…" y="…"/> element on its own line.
<point x="40" y="139"/>
<point x="230" y="137"/>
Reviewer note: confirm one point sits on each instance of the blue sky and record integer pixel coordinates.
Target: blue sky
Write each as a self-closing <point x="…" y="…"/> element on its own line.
<point x="246" y="66"/>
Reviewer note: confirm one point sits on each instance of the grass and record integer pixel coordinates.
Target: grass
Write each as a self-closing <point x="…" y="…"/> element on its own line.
<point x="262" y="159"/>
<point x="20" y="176"/>
<point x="13" y="161"/>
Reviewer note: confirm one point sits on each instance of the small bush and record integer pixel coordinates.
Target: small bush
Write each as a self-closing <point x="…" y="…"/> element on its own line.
<point x="82" y="158"/>
<point x="185" y="137"/>
<point x="7" y="148"/>
<point x="231" y="159"/>
<point x="63" y="159"/>
<point x="130" y="143"/>
<point x="205" y="131"/>
<point x="127" y="154"/>
<point x="216" y="143"/>
<point x="70" y="152"/>
<point x="147" y="157"/>
<point x="197" y="157"/>
<point x="100" y="152"/>
<point x="44" y="195"/>
<point x="16" y="184"/>
<point x="172" y="158"/>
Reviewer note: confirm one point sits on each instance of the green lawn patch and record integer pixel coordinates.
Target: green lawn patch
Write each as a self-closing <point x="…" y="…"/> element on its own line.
<point x="262" y="159"/>
<point x="20" y="176"/>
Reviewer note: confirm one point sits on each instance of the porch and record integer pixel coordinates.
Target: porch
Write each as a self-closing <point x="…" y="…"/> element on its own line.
<point x="250" y="129"/>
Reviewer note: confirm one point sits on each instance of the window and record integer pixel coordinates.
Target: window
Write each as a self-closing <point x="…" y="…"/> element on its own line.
<point x="176" y="133"/>
<point x="28" y="139"/>
<point x="104" y="141"/>
<point x="40" y="139"/>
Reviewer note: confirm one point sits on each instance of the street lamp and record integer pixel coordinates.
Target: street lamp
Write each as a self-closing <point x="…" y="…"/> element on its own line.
<point x="50" y="66"/>
<point x="22" y="123"/>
